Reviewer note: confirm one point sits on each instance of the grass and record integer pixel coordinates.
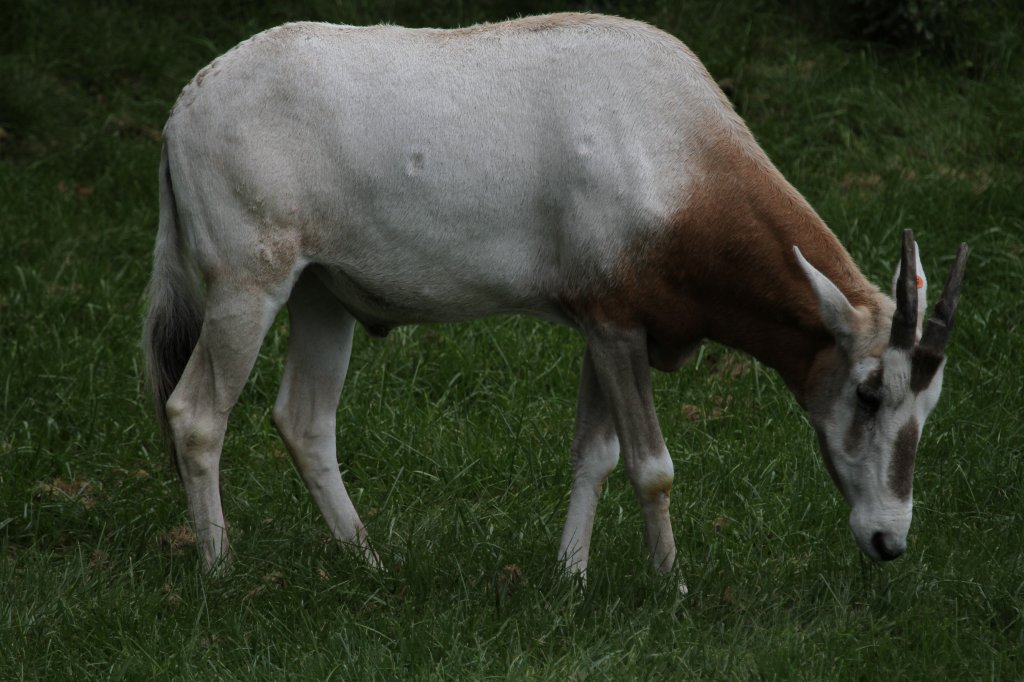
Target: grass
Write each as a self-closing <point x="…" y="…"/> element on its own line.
<point x="454" y="439"/>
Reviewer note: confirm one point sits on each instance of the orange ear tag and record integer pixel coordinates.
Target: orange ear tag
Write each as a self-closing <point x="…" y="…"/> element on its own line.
<point x="920" y="282"/>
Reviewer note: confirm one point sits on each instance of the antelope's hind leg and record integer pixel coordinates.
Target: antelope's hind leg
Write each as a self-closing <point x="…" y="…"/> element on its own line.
<point x="319" y="346"/>
<point x="234" y="324"/>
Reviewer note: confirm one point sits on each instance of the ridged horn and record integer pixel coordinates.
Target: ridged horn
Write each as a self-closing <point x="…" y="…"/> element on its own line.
<point x="929" y="354"/>
<point x="904" y="320"/>
<point x="940" y="324"/>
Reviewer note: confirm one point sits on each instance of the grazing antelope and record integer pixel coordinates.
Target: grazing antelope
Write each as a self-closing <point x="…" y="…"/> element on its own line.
<point x="578" y="168"/>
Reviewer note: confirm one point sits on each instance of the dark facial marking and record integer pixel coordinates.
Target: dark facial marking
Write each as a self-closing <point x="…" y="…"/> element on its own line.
<point x="901" y="468"/>
<point x="874" y="380"/>
<point x="868" y="400"/>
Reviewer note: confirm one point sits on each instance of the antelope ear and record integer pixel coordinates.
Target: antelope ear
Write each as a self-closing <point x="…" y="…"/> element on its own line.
<point x="922" y="289"/>
<point x="838" y="316"/>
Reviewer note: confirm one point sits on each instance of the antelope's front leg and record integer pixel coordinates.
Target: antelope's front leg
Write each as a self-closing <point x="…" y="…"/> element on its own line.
<point x="623" y="373"/>
<point x="595" y="452"/>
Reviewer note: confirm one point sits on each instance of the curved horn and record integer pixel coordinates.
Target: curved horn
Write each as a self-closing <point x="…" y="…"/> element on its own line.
<point x="904" y="321"/>
<point x="932" y="350"/>
<point x="940" y="324"/>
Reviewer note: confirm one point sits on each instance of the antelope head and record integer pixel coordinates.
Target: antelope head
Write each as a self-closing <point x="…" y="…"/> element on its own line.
<point x="873" y="391"/>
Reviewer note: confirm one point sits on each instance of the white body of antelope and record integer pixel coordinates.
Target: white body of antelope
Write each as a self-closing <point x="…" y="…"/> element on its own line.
<point x="577" y="168"/>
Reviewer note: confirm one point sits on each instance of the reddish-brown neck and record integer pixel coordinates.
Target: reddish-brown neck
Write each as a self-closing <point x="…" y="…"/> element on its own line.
<point x="725" y="270"/>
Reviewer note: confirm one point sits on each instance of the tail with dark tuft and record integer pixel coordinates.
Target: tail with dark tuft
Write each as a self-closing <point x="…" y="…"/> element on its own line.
<point x="175" y="315"/>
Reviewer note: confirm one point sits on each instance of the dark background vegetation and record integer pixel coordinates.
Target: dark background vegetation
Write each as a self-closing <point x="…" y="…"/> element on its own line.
<point x="454" y="439"/>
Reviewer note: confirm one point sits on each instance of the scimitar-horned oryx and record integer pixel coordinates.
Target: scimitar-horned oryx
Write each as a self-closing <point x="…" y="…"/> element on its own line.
<point x="578" y="168"/>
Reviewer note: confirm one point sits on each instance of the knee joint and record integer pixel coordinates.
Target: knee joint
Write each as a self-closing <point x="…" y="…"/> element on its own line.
<point x="653" y="476"/>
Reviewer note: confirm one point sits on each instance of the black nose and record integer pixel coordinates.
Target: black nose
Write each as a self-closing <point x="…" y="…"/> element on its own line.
<point x="885" y="553"/>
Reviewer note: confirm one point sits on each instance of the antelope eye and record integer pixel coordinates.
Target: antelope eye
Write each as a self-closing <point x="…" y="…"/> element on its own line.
<point x="868" y="399"/>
